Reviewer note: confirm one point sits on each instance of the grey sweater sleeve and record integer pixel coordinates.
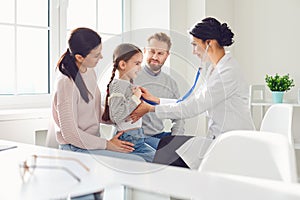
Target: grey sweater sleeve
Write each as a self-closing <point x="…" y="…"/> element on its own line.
<point x="122" y="101"/>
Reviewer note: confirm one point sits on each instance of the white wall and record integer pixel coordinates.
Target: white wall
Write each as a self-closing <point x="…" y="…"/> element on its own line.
<point x="149" y="14"/>
<point x="268" y="39"/>
<point x="223" y="10"/>
<point x="195" y="12"/>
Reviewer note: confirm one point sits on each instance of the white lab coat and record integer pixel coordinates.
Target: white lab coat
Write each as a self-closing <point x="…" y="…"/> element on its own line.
<point x="224" y="98"/>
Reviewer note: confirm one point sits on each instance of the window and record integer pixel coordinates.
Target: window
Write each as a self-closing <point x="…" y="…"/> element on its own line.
<point x="24" y="39"/>
<point x="34" y="34"/>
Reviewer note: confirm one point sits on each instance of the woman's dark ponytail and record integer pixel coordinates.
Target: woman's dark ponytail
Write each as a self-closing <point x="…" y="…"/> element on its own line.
<point x="81" y="42"/>
<point x="68" y="67"/>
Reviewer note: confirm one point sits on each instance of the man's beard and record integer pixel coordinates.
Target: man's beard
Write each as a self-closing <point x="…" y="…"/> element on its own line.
<point x="154" y="67"/>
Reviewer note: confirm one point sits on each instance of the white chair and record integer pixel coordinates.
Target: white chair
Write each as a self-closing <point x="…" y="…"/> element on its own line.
<point x="107" y="132"/>
<point x="51" y="137"/>
<point x="278" y="119"/>
<point x="251" y="153"/>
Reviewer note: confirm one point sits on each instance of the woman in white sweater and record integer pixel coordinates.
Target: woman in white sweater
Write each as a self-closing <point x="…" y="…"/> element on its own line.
<point x="76" y="105"/>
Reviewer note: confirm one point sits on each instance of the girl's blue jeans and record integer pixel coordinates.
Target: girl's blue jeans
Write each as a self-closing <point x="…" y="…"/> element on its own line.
<point x="137" y="137"/>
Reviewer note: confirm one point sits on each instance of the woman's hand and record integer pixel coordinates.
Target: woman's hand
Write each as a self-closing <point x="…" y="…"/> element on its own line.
<point x="147" y="95"/>
<point x="115" y="144"/>
<point x="142" y="109"/>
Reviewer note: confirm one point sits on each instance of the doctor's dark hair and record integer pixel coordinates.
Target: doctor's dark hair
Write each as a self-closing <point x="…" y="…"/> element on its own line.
<point x="122" y="52"/>
<point x="82" y="41"/>
<point x="210" y="28"/>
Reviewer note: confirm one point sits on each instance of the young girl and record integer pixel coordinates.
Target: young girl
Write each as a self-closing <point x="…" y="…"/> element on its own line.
<point x="123" y="97"/>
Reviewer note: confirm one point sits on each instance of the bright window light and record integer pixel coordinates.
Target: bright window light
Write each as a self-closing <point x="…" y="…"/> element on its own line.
<point x="34" y="34"/>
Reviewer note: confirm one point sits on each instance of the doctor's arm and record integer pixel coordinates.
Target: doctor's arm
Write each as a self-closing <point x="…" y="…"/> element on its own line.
<point x="200" y="102"/>
<point x="144" y="107"/>
<point x="220" y="87"/>
<point x="141" y="110"/>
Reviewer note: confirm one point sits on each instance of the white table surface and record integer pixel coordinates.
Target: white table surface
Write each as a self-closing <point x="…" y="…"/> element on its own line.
<point x="105" y="171"/>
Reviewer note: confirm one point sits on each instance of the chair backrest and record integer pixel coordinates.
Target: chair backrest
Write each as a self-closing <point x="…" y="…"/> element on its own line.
<point x="278" y="119"/>
<point x="251" y="153"/>
<point x="51" y="137"/>
<point x="107" y="131"/>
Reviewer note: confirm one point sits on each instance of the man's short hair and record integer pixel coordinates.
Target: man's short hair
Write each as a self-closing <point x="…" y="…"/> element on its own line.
<point x="161" y="37"/>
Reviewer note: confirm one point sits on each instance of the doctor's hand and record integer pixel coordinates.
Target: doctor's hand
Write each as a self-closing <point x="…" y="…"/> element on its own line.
<point x="142" y="109"/>
<point x="147" y="95"/>
<point x="137" y="92"/>
<point x="115" y="144"/>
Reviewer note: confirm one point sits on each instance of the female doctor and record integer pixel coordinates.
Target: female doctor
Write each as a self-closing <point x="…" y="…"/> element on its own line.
<point x="223" y="96"/>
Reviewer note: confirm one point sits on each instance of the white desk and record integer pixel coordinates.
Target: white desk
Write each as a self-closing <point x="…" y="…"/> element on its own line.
<point x="105" y="171"/>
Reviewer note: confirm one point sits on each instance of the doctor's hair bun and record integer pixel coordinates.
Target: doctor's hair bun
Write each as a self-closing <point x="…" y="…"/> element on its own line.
<point x="226" y="35"/>
<point x="210" y="28"/>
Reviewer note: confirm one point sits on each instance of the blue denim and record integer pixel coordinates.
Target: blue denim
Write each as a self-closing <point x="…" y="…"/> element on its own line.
<point x="101" y="152"/>
<point x="153" y="140"/>
<point x="137" y="137"/>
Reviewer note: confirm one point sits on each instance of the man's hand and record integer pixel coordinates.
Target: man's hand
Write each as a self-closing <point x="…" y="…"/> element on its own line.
<point x="115" y="144"/>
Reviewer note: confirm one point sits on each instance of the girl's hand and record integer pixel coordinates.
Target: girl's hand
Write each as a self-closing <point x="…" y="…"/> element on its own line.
<point x="147" y="95"/>
<point x="115" y="144"/>
<point x="137" y="92"/>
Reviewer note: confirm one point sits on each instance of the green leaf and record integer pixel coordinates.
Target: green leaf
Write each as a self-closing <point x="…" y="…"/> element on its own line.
<point x="279" y="83"/>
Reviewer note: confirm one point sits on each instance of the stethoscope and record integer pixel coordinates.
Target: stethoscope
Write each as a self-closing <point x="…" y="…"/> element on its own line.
<point x="190" y="90"/>
<point x="182" y="98"/>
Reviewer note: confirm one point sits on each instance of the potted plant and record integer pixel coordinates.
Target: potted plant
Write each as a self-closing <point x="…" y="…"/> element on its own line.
<point x="278" y="85"/>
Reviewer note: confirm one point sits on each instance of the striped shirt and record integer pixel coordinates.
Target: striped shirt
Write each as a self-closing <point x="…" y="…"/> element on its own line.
<point x="122" y="102"/>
